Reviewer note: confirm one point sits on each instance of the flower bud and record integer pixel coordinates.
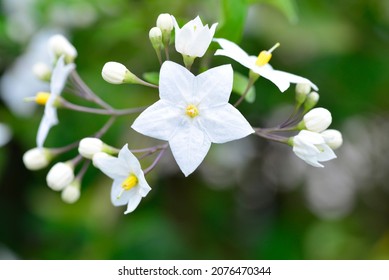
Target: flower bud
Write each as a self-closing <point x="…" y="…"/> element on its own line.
<point x="71" y="193"/>
<point x="155" y="36"/>
<point x="59" y="45"/>
<point x="42" y="71"/>
<point x="311" y="100"/>
<point x="333" y="138"/>
<point x="5" y="134"/>
<point x="37" y="158"/>
<point x="117" y="73"/>
<point x="89" y="146"/>
<point x="317" y="119"/>
<point x="302" y="90"/>
<point x="165" y="23"/>
<point x="60" y="176"/>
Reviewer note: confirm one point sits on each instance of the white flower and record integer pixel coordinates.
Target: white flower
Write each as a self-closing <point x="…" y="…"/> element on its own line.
<point x="58" y="80"/>
<point x="37" y="158"/>
<point x="193" y="39"/>
<point x="333" y="138"/>
<point x="59" y="45"/>
<point x="60" y="176"/>
<point x="260" y="65"/>
<point x="5" y="134"/>
<point x="312" y="148"/>
<point x="90" y="146"/>
<point x="193" y="112"/>
<point x="317" y="119"/>
<point x="129" y="183"/>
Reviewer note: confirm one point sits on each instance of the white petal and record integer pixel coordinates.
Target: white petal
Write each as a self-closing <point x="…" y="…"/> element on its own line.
<point x="224" y="123"/>
<point x="189" y="147"/>
<point x="326" y="153"/>
<point x="60" y="75"/>
<point x="133" y="202"/>
<point x="49" y="119"/>
<point x="129" y="160"/>
<point x="112" y="167"/>
<point x="160" y="120"/>
<point x="213" y="87"/>
<point x="119" y="196"/>
<point x="201" y="40"/>
<point x="175" y="83"/>
<point x="231" y="50"/>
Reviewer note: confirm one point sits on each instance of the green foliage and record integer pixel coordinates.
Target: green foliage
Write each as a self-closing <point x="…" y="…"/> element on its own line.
<point x="240" y="85"/>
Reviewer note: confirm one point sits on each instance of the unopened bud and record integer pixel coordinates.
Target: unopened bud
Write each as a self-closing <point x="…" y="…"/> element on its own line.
<point x="60" y="176"/>
<point x="37" y="158"/>
<point x="302" y="90"/>
<point x="155" y="36"/>
<point x="90" y="146"/>
<point x="317" y="120"/>
<point x="311" y="100"/>
<point x="42" y="71"/>
<point x="165" y="23"/>
<point x="59" y="46"/>
<point x="72" y="192"/>
<point x="117" y="73"/>
<point x="333" y="138"/>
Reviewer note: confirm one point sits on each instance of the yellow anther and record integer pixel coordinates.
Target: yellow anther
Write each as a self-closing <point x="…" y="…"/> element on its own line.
<point x="265" y="56"/>
<point x="42" y="97"/>
<point x="192" y="111"/>
<point x="130" y="182"/>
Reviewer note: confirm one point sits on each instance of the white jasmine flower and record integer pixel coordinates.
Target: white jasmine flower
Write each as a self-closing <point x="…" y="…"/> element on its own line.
<point x="58" y="80"/>
<point x="60" y="176"/>
<point x="129" y="183"/>
<point x="317" y="119"/>
<point x="37" y="158"/>
<point x="5" y="134"/>
<point x="333" y="138"/>
<point x="60" y="46"/>
<point x="259" y="64"/>
<point x="193" y="112"/>
<point x="193" y="39"/>
<point x="90" y="146"/>
<point x="312" y="148"/>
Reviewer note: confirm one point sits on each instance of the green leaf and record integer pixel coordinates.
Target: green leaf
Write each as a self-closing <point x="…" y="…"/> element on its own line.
<point x="287" y="7"/>
<point x="151" y="77"/>
<point x="239" y="86"/>
<point x="233" y="17"/>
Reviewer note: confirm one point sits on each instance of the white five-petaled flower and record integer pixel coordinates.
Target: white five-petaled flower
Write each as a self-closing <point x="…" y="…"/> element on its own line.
<point x="59" y="76"/>
<point x="194" y="38"/>
<point x="129" y="183"/>
<point x="193" y="112"/>
<point x="259" y="64"/>
<point x="312" y="148"/>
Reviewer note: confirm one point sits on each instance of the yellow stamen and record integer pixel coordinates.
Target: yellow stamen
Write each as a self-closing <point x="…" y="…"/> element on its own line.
<point x="192" y="111"/>
<point x="265" y="56"/>
<point x="42" y="97"/>
<point x="130" y="182"/>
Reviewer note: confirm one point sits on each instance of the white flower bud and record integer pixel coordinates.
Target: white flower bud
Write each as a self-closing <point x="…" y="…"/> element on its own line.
<point x="59" y="45"/>
<point x="165" y="22"/>
<point x="302" y="90"/>
<point x="60" y="176"/>
<point x="5" y="134"/>
<point x="42" y="71"/>
<point x="317" y="119"/>
<point x="71" y="193"/>
<point x="311" y="100"/>
<point x="333" y="138"/>
<point x="37" y="158"/>
<point x="117" y="73"/>
<point x="155" y="36"/>
<point x="89" y="146"/>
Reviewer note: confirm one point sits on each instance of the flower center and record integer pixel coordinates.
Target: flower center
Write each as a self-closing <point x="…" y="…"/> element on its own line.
<point x="265" y="56"/>
<point x="130" y="182"/>
<point x="192" y="111"/>
<point x="42" y="97"/>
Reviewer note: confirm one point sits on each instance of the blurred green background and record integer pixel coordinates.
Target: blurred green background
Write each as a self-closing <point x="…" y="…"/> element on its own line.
<point x="250" y="199"/>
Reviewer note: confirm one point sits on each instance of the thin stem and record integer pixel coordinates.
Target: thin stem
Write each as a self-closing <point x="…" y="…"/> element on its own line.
<point x="292" y="118"/>
<point x="113" y="112"/>
<point x="153" y="149"/>
<point x="155" y="162"/>
<point x="272" y="137"/>
<point x="61" y="150"/>
<point x="249" y="85"/>
<point x="105" y="128"/>
<point x="166" y="47"/>
<point x="83" y="170"/>
<point x="89" y="94"/>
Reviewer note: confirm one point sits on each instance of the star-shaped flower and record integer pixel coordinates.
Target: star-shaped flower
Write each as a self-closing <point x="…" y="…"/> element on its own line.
<point x="129" y="183"/>
<point x="312" y="148"/>
<point x="194" y="38"/>
<point x="259" y="64"/>
<point x="58" y="80"/>
<point x="193" y="112"/>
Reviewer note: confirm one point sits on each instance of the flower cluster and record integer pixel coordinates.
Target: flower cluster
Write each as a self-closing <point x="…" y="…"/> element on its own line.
<point x="193" y="111"/>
